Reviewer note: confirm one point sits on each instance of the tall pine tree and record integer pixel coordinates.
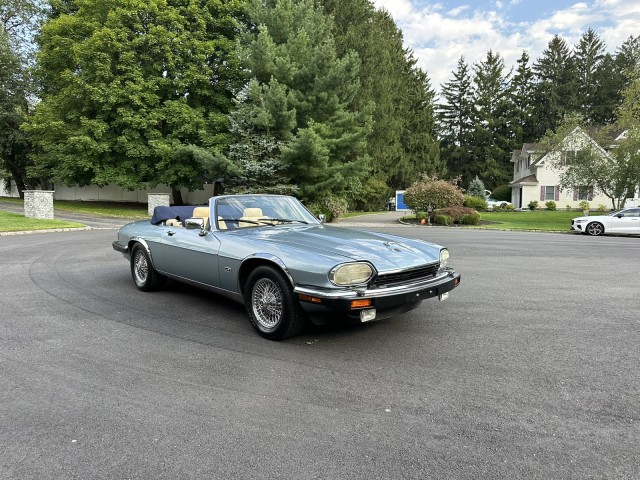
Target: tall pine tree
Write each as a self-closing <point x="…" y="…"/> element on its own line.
<point x="588" y="57"/>
<point x="556" y="84"/>
<point x="300" y="101"/>
<point x="456" y="119"/>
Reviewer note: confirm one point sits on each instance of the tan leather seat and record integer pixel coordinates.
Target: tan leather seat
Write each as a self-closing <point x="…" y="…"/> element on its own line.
<point x="172" y="222"/>
<point x="221" y="224"/>
<point x="251" y="214"/>
<point x="201" y="212"/>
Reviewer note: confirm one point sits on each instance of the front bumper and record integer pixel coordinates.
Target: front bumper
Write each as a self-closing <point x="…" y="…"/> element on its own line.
<point x="387" y="302"/>
<point x="123" y="249"/>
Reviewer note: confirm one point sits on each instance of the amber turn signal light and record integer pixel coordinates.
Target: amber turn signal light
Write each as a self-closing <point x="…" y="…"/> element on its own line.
<point x="361" y="303"/>
<point x="309" y="298"/>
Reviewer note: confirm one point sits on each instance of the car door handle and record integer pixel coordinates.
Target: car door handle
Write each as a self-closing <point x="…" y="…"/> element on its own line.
<point x="171" y="233"/>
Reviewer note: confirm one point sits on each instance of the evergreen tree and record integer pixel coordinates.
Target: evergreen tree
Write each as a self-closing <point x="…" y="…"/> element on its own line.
<point x="402" y="143"/>
<point x="523" y="104"/>
<point x="491" y="129"/>
<point x="556" y="84"/>
<point x="456" y="118"/>
<point x="300" y="100"/>
<point x="588" y="57"/>
<point x="135" y="92"/>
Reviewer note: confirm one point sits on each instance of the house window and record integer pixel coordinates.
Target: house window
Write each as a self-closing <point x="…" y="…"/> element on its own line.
<point x="569" y="157"/>
<point x="550" y="193"/>
<point x="583" y="193"/>
<point x="528" y="160"/>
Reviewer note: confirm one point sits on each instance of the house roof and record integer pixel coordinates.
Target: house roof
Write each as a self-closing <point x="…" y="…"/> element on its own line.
<point x="527" y="179"/>
<point x="530" y="147"/>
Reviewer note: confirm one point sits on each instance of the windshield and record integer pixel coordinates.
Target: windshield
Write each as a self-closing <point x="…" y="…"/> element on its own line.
<point x="243" y="211"/>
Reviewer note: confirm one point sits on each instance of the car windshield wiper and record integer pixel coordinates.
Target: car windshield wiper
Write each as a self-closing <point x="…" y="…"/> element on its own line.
<point x="285" y="220"/>
<point x="243" y="220"/>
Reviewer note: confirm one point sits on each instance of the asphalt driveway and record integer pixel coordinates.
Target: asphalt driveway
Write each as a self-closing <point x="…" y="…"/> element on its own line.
<point x="529" y="370"/>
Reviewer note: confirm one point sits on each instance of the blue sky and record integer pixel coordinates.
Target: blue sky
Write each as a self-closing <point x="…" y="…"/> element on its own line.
<point x="440" y="32"/>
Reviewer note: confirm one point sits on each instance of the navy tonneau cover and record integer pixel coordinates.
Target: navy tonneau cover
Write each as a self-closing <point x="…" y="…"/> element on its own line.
<point x="160" y="214"/>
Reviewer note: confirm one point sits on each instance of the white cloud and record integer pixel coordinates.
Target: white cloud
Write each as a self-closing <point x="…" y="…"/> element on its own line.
<point x="439" y="36"/>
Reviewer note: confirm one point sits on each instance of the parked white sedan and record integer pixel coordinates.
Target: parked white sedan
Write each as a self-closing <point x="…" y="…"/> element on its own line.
<point x="625" y="221"/>
<point x="492" y="202"/>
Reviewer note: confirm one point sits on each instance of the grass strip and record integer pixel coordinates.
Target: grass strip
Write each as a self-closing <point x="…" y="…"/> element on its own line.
<point x="14" y="222"/>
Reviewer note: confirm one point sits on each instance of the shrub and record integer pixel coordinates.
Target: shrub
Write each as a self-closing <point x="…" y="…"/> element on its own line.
<point x="509" y="208"/>
<point x="602" y="208"/>
<point x="430" y="191"/>
<point x="332" y="207"/>
<point x="551" y="205"/>
<point x="456" y="213"/>
<point x="533" y="204"/>
<point x="584" y="205"/>
<point x="503" y="192"/>
<point x="471" y="219"/>
<point x="471" y="201"/>
<point x="476" y="188"/>
<point x="568" y="207"/>
<point x="443" y="220"/>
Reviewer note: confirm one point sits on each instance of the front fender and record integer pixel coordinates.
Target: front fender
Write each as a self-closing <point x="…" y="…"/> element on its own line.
<point x="252" y="261"/>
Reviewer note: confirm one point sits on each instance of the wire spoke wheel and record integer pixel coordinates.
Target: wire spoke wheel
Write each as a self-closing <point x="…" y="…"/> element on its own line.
<point x="140" y="268"/>
<point x="273" y="310"/>
<point x="267" y="303"/>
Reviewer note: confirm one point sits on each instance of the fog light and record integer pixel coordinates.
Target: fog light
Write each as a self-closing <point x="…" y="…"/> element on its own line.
<point x="368" y="315"/>
<point x="443" y="297"/>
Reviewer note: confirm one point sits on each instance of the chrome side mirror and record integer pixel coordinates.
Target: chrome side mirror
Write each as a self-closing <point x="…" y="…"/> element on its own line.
<point x="196" y="223"/>
<point x="322" y="217"/>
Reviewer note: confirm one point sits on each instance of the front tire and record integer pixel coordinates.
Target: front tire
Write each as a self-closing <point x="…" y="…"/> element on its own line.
<point x="272" y="308"/>
<point x="144" y="275"/>
<point x="595" y="229"/>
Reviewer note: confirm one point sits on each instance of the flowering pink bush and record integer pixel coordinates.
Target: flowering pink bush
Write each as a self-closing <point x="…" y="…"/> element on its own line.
<point x="430" y="191"/>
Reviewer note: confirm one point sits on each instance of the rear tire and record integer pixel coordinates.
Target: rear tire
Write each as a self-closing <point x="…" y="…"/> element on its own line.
<point x="595" y="229"/>
<point x="144" y="275"/>
<point x="272" y="308"/>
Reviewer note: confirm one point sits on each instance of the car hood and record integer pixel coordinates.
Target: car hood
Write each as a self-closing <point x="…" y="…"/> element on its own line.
<point x="386" y="252"/>
<point x="600" y="218"/>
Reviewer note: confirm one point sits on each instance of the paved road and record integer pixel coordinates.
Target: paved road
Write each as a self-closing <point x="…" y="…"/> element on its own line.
<point x="529" y="370"/>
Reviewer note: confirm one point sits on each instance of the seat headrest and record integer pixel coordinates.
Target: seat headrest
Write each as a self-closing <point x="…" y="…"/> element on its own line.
<point x="252" y="213"/>
<point x="201" y="212"/>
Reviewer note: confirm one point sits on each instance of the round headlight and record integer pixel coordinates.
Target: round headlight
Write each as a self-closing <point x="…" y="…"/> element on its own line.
<point x="351" y="274"/>
<point x="444" y="257"/>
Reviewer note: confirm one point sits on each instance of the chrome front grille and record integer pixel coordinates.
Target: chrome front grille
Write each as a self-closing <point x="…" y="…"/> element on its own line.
<point x="406" y="276"/>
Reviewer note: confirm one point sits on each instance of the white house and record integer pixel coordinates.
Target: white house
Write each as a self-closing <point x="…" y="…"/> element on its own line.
<point x="535" y="177"/>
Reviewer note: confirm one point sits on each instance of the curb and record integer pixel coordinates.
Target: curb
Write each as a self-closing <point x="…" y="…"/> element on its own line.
<point x="50" y="230"/>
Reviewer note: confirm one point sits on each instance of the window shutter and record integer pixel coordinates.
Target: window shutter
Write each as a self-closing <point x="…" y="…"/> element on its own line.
<point x="575" y="195"/>
<point x="590" y="196"/>
<point x="557" y="193"/>
<point x="542" y="193"/>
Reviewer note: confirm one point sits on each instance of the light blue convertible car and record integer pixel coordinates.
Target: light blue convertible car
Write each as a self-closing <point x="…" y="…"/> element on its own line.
<point x="271" y="254"/>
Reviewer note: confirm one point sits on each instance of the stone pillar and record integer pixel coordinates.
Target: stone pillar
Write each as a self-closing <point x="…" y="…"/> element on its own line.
<point x="38" y="204"/>
<point x="157" y="200"/>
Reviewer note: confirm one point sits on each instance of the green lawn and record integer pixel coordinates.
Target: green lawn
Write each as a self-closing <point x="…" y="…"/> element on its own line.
<point x="14" y="222"/>
<point x="542" y="220"/>
<point x="111" y="209"/>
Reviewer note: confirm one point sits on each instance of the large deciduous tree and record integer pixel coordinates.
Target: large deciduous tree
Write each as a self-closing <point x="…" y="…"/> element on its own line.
<point x="296" y="118"/>
<point x="135" y="92"/>
<point x="18" y="20"/>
